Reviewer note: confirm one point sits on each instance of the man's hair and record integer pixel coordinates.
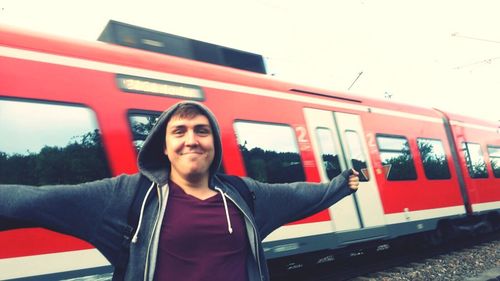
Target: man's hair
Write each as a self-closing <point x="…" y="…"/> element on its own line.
<point x="188" y="111"/>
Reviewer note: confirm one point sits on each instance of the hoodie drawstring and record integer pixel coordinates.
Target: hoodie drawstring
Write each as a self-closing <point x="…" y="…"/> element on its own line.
<point x="134" y="238"/>
<point x="229" y="228"/>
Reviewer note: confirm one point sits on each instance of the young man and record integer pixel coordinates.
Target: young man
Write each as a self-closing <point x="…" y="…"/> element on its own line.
<point x="192" y="224"/>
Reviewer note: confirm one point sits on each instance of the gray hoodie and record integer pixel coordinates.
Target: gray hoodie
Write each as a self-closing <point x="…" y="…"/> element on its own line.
<point x="97" y="211"/>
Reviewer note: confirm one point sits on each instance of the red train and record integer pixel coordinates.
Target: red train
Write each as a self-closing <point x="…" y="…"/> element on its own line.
<point x="72" y="111"/>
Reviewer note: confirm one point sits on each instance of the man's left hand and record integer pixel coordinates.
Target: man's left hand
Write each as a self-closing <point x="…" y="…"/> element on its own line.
<point x="353" y="180"/>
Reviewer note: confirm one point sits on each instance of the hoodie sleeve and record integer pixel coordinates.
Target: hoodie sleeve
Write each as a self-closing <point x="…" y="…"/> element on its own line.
<point x="278" y="204"/>
<point x="69" y="209"/>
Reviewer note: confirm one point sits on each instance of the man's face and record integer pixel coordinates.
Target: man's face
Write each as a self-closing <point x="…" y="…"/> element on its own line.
<point x="189" y="146"/>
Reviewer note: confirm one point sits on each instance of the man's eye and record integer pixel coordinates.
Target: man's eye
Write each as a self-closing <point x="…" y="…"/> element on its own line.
<point x="204" y="131"/>
<point x="177" y="132"/>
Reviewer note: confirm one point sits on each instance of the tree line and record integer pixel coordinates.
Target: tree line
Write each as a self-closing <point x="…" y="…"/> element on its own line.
<point x="81" y="160"/>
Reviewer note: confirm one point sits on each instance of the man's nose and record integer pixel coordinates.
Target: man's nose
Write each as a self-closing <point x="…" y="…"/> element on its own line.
<point x="191" y="138"/>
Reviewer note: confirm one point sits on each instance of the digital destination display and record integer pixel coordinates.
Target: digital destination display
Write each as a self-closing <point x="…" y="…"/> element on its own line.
<point x="143" y="85"/>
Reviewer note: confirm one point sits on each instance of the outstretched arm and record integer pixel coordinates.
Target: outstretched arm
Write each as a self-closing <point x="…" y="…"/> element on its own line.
<point x="278" y="204"/>
<point x="69" y="209"/>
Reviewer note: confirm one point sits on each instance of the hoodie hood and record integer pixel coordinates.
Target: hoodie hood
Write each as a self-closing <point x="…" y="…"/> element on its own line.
<point x="152" y="161"/>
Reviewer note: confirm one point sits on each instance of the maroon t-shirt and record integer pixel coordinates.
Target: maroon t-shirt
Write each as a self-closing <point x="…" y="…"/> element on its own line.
<point x="195" y="244"/>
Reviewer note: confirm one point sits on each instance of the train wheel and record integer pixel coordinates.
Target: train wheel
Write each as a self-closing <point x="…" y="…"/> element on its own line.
<point x="435" y="237"/>
<point x="484" y="228"/>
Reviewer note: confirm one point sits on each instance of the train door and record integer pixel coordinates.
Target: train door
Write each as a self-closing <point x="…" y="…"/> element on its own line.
<point x="338" y="143"/>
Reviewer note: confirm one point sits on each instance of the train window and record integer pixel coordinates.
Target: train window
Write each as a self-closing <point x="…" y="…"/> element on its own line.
<point x="45" y="143"/>
<point x="433" y="159"/>
<point x="358" y="158"/>
<point x="141" y="124"/>
<point x="396" y="156"/>
<point x="329" y="155"/>
<point x="494" y="153"/>
<point x="474" y="159"/>
<point x="270" y="152"/>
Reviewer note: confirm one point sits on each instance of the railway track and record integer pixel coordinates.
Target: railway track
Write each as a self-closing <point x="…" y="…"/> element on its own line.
<point x="457" y="259"/>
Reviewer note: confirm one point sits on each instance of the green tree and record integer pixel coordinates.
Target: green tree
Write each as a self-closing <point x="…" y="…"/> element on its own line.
<point x="79" y="161"/>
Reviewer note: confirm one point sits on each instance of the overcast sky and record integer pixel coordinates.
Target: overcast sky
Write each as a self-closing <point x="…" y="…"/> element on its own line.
<point x="32" y="134"/>
<point x="444" y="54"/>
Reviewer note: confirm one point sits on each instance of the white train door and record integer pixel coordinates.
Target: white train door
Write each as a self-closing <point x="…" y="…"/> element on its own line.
<point x="338" y="144"/>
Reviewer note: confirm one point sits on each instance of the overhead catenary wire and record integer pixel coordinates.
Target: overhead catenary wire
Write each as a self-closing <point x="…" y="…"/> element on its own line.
<point x="487" y="61"/>
<point x="484" y="61"/>
<point x="456" y="34"/>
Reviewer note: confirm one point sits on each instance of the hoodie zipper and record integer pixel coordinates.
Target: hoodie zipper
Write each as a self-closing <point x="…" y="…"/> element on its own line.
<point x="254" y="231"/>
<point x="146" y="265"/>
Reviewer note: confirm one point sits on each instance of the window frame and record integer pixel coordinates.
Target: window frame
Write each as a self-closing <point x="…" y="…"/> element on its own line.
<point x="320" y="147"/>
<point x="468" y="163"/>
<point x="141" y="112"/>
<point x="56" y="151"/>
<point x="496" y="173"/>
<point x="362" y="176"/>
<point x="400" y="152"/>
<point x="444" y="154"/>
<point x="294" y="139"/>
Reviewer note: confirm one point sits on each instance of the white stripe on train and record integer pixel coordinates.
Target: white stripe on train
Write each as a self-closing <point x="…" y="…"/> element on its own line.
<point x="301" y="230"/>
<point x="28" y="266"/>
<point x="489" y="206"/>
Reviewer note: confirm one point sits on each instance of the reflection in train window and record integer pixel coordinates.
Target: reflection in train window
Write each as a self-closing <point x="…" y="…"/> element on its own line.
<point x="494" y="153"/>
<point x="46" y="143"/>
<point x="475" y="161"/>
<point x="270" y="152"/>
<point x="141" y="124"/>
<point x="433" y="158"/>
<point x="396" y="157"/>
<point x="358" y="158"/>
<point x="329" y="155"/>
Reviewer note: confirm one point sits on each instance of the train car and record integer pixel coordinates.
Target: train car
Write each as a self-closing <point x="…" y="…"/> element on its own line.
<point x="476" y="156"/>
<point x="73" y="111"/>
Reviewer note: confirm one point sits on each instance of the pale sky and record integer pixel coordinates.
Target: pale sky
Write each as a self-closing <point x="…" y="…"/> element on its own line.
<point x="15" y="122"/>
<point x="253" y="135"/>
<point x="444" y="54"/>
